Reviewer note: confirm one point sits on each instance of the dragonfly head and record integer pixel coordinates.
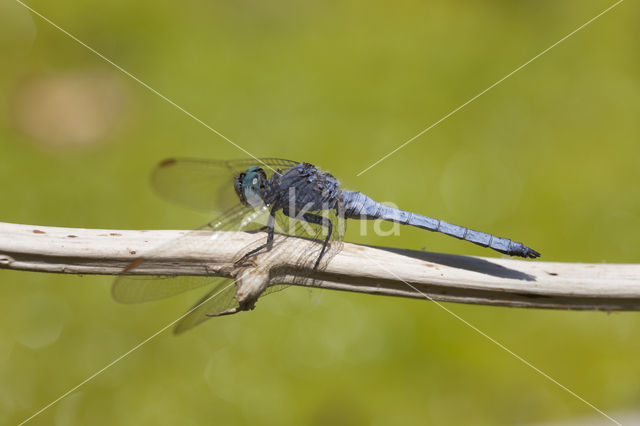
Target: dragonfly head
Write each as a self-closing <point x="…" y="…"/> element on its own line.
<point x="250" y="186"/>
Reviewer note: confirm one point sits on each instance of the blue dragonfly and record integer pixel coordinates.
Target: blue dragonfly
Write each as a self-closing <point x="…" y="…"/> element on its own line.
<point x="280" y="197"/>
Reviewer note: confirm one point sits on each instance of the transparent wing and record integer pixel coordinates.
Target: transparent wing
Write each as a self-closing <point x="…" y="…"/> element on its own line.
<point x="311" y="245"/>
<point x="136" y="289"/>
<point x="220" y="298"/>
<point x="207" y="185"/>
<point x="143" y="288"/>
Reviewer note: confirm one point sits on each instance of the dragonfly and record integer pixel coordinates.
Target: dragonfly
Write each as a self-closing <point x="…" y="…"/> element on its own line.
<point x="283" y="198"/>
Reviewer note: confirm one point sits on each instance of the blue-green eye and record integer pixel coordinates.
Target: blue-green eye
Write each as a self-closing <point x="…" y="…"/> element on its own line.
<point x="250" y="186"/>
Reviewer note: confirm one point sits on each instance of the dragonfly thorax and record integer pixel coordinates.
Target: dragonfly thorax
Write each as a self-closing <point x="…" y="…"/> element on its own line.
<point x="303" y="188"/>
<point x="250" y="186"/>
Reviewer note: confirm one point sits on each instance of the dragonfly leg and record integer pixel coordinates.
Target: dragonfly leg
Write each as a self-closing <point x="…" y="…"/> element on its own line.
<point x="323" y="221"/>
<point x="269" y="244"/>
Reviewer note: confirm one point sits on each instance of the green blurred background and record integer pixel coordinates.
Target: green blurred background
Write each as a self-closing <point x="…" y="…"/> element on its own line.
<point x="549" y="157"/>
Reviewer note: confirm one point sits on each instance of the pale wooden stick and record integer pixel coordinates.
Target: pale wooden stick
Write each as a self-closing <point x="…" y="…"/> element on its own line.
<point x="373" y="270"/>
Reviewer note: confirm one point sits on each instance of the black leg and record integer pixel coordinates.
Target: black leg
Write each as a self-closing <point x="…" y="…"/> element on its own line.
<point x="269" y="244"/>
<point x="320" y="220"/>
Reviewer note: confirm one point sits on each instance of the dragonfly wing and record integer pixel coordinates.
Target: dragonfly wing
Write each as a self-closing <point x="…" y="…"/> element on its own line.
<point x="311" y="241"/>
<point x="137" y="289"/>
<point x="143" y="288"/>
<point x="274" y="289"/>
<point x="220" y="298"/>
<point x="206" y="185"/>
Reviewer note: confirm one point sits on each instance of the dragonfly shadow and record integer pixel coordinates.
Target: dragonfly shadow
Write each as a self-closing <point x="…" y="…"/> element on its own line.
<point x="468" y="263"/>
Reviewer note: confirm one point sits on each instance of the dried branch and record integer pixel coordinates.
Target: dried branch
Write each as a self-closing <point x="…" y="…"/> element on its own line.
<point x="372" y="270"/>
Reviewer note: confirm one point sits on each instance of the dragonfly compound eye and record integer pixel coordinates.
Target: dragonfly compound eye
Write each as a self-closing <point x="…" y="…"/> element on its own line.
<point x="250" y="186"/>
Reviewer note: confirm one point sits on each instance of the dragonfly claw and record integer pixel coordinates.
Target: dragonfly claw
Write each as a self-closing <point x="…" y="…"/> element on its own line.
<point x="244" y="261"/>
